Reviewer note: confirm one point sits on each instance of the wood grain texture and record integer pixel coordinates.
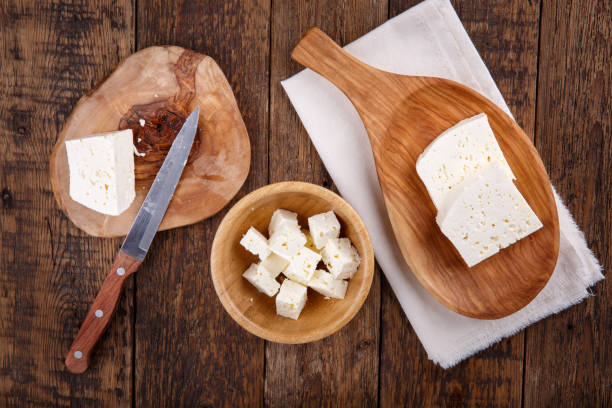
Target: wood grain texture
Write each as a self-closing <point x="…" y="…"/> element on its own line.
<point x="190" y="351"/>
<point x="341" y="370"/>
<point x="255" y="311"/>
<point x="403" y="115"/>
<point x="568" y="360"/>
<point x="506" y="36"/>
<point x="51" y="53"/>
<point x="100" y="313"/>
<point x="162" y="86"/>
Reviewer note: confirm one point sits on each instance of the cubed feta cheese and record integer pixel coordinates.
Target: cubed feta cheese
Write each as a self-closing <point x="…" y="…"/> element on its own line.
<point x="282" y="219"/>
<point x="291" y="299"/>
<point x="309" y="242"/>
<point x="325" y="283"/>
<point x="302" y="265"/>
<point x="255" y="242"/>
<point x="260" y="277"/>
<point x="486" y="213"/>
<point x="286" y="242"/>
<point x="341" y="258"/>
<point x="275" y="264"/>
<point x="323" y="227"/>
<point x="458" y="153"/>
<point x="102" y="171"/>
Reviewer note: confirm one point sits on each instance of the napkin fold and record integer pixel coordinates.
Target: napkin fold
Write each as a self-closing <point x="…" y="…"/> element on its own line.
<point x="429" y="40"/>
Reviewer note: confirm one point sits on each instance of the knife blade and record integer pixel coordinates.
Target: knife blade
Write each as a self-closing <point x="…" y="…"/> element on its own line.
<point x="134" y="247"/>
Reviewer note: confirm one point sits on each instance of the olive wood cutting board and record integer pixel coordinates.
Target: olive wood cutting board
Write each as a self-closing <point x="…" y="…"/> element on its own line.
<point x="402" y="115"/>
<point x="161" y="85"/>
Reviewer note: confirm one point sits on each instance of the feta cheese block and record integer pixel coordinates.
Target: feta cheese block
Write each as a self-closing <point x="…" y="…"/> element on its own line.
<point x="302" y="265"/>
<point x="323" y="227"/>
<point x="457" y="154"/>
<point x="325" y="283"/>
<point x="102" y="171"/>
<point x="291" y="299"/>
<point x="282" y="219"/>
<point x="261" y="278"/>
<point x="487" y="213"/>
<point x="275" y="264"/>
<point x="256" y="243"/>
<point x="341" y="258"/>
<point x="286" y="242"/>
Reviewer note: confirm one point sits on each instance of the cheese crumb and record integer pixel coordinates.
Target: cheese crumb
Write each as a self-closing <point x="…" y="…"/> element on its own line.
<point x="142" y="122"/>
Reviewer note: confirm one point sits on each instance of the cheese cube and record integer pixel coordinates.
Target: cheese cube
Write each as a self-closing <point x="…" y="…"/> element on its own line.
<point x="286" y="242"/>
<point x="255" y="242"/>
<point x="291" y="299"/>
<point x="274" y="264"/>
<point x="323" y="227"/>
<point x="302" y="265"/>
<point x="102" y="171"/>
<point x="260" y="277"/>
<point x="341" y="258"/>
<point x="487" y="213"/>
<point x="457" y="154"/>
<point x="325" y="283"/>
<point x="282" y="219"/>
<point x="309" y="242"/>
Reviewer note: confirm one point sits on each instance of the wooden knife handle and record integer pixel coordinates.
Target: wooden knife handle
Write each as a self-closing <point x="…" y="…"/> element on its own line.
<point x="100" y="314"/>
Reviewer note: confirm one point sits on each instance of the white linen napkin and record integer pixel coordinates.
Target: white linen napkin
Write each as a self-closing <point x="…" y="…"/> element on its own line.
<point x="427" y="39"/>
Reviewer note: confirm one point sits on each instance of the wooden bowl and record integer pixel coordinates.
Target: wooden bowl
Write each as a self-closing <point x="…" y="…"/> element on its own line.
<point x="320" y="317"/>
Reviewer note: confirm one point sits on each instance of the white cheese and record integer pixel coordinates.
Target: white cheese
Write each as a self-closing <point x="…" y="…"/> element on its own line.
<point x="256" y="243"/>
<point x="260" y="277"/>
<point x="282" y="219"/>
<point x="325" y="283"/>
<point x="323" y="227"/>
<point x="291" y="299"/>
<point x="102" y="171"/>
<point x="341" y="258"/>
<point x="302" y="265"/>
<point x="309" y="242"/>
<point x="286" y="242"/>
<point x="275" y="264"/>
<point x="142" y="122"/>
<point x="485" y="214"/>
<point x="458" y="153"/>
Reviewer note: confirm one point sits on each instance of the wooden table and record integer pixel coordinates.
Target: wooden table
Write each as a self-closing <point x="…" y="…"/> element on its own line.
<point x="171" y="343"/>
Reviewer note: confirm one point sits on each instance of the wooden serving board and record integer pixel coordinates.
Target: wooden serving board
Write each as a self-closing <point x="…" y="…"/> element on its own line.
<point x="403" y="115"/>
<point x="161" y="85"/>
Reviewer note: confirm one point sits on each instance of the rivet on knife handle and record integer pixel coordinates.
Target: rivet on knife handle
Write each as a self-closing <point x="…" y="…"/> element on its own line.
<point x="100" y="314"/>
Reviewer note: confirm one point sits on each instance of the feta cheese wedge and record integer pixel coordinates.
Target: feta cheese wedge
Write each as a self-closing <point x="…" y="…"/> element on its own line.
<point x="457" y="154"/>
<point x="256" y="243"/>
<point x="323" y="227"/>
<point x="487" y="213"/>
<point x="302" y="265"/>
<point x="275" y="264"/>
<point x="291" y="299"/>
<point x="102" y="171"/>
<point x="261" y="278"/>
<point x="286" y="242"/>
<point x="282" y="219"/>
<point x="325" y="283"/>
<point x="341" y="258"/>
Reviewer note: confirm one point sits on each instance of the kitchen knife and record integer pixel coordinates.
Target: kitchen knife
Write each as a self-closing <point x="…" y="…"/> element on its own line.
<point x="135" y="246"/>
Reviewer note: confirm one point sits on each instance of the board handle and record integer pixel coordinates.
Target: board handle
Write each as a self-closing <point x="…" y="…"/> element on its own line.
<point x="100" y="313"/>
<point x="323" y="55"/>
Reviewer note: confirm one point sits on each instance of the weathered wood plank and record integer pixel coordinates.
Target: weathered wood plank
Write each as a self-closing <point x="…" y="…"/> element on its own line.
<point x="51" y="53"/>
<point x="342" y="369"/>
<point x="189" y="352"/>
<point x="568" y="360"/>
<point x="506" y="35"/>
